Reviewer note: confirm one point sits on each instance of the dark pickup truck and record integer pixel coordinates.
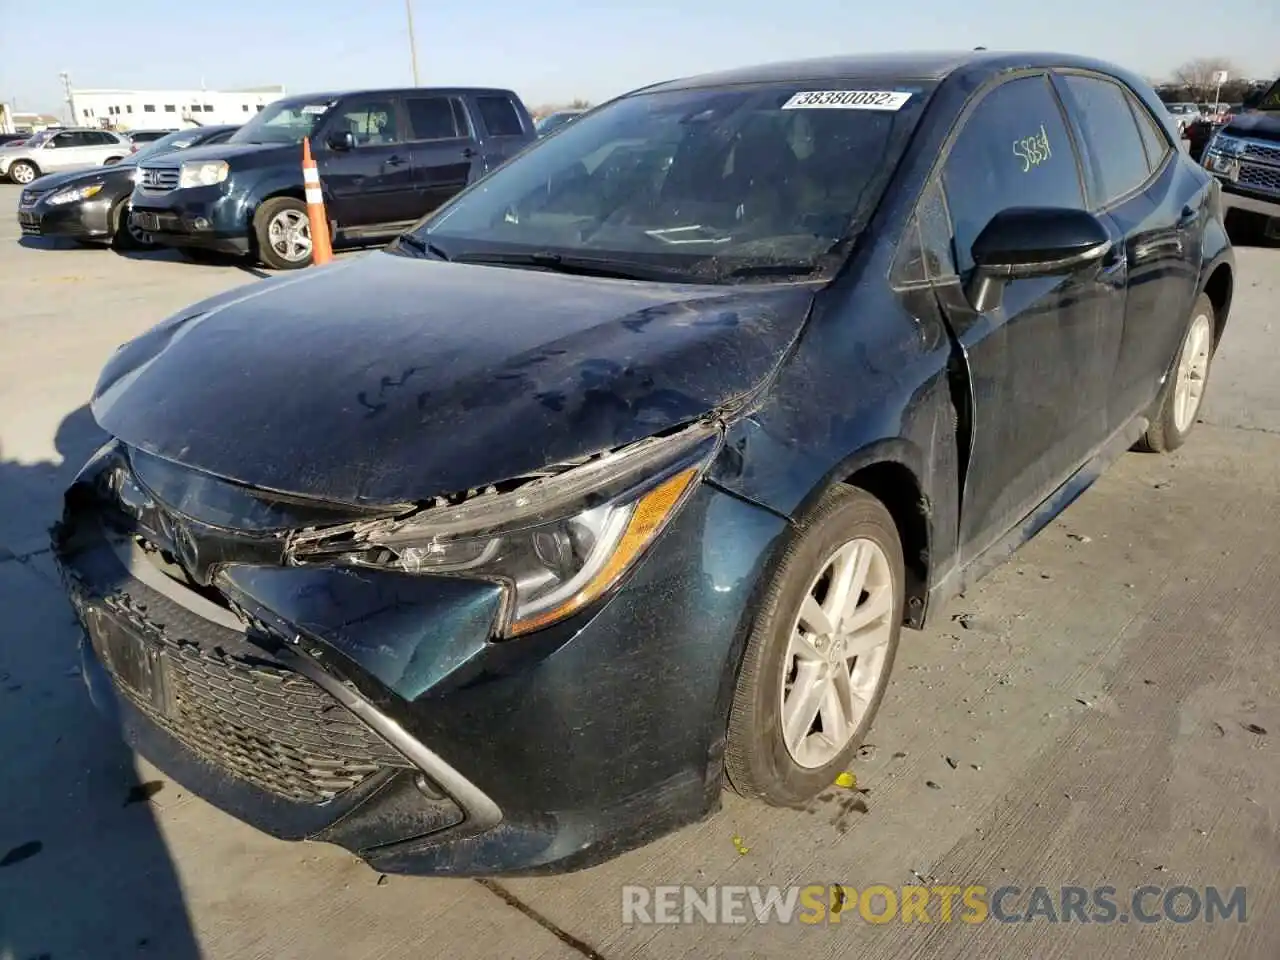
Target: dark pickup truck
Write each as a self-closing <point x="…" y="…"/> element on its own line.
<point x="1245" y="157"/>
<point x="386" y="158"/>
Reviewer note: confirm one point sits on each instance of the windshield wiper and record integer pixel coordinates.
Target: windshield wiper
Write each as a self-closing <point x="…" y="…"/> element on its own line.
<point x="578" y="266"/>
<point x="417" y="244"/>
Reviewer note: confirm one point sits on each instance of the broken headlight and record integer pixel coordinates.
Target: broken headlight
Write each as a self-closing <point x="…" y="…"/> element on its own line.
<point x="556" y="543"/>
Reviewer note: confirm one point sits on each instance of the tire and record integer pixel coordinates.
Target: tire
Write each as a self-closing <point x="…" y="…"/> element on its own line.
<point x="759" y="762"/>
<point x="23" y="172"/>
<point x="271" y="250"/>
<point x="1183" y="392"/>
<point x="111" y="160"/>
<point x="123" y="236"/>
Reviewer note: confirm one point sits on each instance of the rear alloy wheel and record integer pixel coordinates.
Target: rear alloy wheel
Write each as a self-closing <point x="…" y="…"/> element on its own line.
<point x="283" y="232"/>
<point x="22" y="172"/>
<point x="1183" y="391"/>
<point x="819" y="659"/>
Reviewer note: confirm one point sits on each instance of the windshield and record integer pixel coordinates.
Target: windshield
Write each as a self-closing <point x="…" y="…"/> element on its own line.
<point x="178" y="140"/>
<point x="551" y="121"/>
<point x="707" y="183"/>
<point x="42" y="137"/>
<point x="285" y="121"/>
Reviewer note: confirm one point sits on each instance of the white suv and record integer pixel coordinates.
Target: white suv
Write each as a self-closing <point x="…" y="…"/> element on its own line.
<point x="57" y="150"/>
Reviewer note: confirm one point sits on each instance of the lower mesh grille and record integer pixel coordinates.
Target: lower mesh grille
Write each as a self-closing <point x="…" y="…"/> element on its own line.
<point x="234" y="708"/>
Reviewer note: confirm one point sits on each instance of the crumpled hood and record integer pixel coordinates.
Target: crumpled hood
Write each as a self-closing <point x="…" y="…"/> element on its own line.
<point x="387" y="379"/>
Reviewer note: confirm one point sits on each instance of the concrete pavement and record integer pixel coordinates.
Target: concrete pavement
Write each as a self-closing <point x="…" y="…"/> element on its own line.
<point x="1103" y="710"/>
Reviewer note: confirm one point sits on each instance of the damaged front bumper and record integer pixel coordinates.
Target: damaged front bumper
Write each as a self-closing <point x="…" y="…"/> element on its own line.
<point x="373" y="708"/>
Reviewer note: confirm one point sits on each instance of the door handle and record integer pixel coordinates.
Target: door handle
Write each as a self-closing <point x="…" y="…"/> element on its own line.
<point x="395" y="161"/>
<point x="468" y="152"/>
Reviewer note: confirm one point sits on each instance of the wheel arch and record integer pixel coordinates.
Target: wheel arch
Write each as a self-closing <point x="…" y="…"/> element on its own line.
<point x="1219" y="286"/>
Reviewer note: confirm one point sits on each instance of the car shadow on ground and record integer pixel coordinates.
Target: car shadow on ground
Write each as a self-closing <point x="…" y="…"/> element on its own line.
<point x="84" y="868"/>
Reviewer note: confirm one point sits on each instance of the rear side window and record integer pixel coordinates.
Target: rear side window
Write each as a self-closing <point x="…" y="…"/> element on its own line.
<point x="1115" y="159"/>
<point x="1153" y="139"/>
<point x="1013" y="151"/>
<point x="433" y="118"/>
<point x="499" y="116"/>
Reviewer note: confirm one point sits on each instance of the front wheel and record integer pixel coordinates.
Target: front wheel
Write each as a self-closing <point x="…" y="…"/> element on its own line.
<point x="283" y="232"/>
<point x="819" y="657"/>
<point x="1184" y="389"/>
<point x="124" y="234"/>
<point x="23" y="172"/>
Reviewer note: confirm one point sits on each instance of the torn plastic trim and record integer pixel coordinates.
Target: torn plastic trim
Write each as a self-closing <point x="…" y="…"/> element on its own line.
<point x="555" y="493"/>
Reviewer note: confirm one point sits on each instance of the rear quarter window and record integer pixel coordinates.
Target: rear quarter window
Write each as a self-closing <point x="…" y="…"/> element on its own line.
<point x="500" y="117"/>
<point x="1115" y="158"/>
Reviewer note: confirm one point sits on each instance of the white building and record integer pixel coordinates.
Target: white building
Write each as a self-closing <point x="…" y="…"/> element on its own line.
<point x="168" y="109"/>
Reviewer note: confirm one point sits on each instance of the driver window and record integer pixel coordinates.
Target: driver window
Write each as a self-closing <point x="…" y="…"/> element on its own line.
<point x="1013" y="151"/>
<point x="371" y="122"/>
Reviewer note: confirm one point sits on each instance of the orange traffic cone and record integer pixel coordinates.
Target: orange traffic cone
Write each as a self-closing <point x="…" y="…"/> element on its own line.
<point x="321" y="247"/>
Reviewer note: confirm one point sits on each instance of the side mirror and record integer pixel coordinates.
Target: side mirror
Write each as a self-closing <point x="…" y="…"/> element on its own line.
<point x="341" y="140"/>
<point x="1023" y="242"/>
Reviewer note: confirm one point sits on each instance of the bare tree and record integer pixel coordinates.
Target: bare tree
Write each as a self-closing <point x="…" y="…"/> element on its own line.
<point x="1198" y="75"/>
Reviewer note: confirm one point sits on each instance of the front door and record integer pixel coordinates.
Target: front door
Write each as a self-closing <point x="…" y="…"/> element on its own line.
<point x="1040" y="363"/>
<point x="1157" y="207"/>
<point x="68" y="151"/>
<point x="445" y="152"/>
<point x="372" y="182"/>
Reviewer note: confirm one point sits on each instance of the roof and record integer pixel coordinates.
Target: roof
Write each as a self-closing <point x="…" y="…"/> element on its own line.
<point x="884" y="67"/>
<point x="392" y="91"/>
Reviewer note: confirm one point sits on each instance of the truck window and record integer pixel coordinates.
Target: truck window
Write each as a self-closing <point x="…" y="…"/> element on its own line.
<point x="432" y="118"/>
<point x="499" y="116"/>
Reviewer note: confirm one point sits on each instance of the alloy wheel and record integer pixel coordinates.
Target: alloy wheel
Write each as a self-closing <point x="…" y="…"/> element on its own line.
<point x="22" y="173"/>
<point x="289" y="234"/>
<point x="1193" y="371"/>
<point x="836" y="657"/>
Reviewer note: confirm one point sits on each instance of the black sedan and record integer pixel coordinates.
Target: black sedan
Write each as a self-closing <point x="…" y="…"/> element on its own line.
<point x="617" y="478"/>
<point x="94" y="204"/>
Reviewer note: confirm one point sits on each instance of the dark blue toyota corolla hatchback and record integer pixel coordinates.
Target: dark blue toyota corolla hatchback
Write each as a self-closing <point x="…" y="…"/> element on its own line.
<point x="615" y="480"/>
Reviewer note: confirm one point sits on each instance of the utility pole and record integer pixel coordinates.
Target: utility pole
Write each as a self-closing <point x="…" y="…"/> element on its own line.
<point x="70" y="112"/>
<point x="413" y="47"/>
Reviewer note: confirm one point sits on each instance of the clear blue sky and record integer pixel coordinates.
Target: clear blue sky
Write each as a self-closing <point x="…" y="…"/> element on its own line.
<point x="554" y="50"/>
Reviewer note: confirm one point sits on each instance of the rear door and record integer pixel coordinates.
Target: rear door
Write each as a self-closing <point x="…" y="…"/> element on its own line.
<point x="1157" y="205"/>
<point x="372" y="183"/>
<point x="507" y="127"/>
<point x="1040" y="363"/>
<point x="445" y="150"/>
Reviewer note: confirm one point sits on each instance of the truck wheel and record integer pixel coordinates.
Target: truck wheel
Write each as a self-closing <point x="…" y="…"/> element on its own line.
<point x="819" y="656"/>
<point x="1184" y="389"/>
<point x="283" y="233"/>
<point x="23" y="171"/>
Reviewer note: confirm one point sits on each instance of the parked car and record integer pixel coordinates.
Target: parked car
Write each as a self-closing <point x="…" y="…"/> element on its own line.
<point x="12" y="139"/>
<point x="140" y="137"/>
<point x="1184" y="114"/>
<point x="503" y="548"/>
<point x="386" y="158"/>
<point x="52" y="151"/>
<point x="94" y="204"/>
<point x="1244" y="156"/>
<point x="553" y="121"/>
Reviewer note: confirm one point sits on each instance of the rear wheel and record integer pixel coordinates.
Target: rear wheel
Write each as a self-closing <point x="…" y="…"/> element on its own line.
<point x="1183" y="391"/>
<point x="819" y="657"/>
<point x="23" y="171"/>
<point x="283" y="233"/>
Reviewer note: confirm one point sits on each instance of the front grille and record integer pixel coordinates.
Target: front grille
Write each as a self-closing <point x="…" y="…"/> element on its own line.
<point x="1262" y="152"/>
<point x="158" y="180"/>
<point x="29" y="223"/>
<point x="235" y="708"/>
<point x="1260" y="178"/>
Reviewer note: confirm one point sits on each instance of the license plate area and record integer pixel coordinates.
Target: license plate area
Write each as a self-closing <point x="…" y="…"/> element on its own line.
<point x="146" y="221"/>
<point x="140" y="667"/>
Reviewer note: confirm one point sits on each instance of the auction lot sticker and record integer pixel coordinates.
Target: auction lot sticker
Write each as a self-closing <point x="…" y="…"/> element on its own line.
<point x="847" y="100"/>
